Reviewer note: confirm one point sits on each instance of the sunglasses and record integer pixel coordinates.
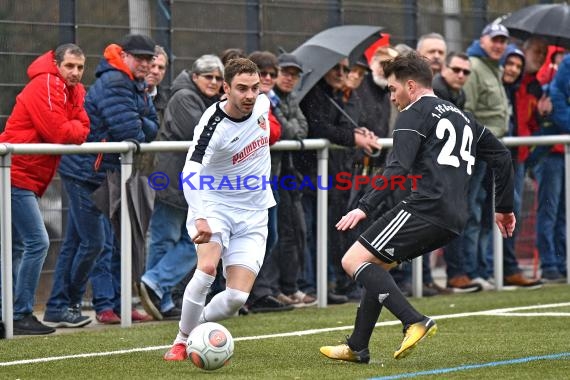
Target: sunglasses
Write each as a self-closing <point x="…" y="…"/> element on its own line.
<point x="338" y="67"/>
<point x="211" y="77"/>
<point x="457" y="70"/>
<point x="272" y="74"/>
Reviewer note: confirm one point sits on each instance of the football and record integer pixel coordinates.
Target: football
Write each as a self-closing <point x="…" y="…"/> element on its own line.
<point x="210" y="346"/>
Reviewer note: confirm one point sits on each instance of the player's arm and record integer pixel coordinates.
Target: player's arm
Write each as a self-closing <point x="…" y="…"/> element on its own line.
<point x="498" y="157"/>
<point x="198" y="157"/>
<point x="407" y="142"/>
<point x="190" y="181"/>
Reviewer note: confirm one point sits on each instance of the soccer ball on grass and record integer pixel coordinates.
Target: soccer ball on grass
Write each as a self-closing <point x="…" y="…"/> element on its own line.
<point x="210" y="346"/>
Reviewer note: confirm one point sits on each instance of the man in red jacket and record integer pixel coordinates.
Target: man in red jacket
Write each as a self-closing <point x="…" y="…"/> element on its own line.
<point x="48" y="110"/>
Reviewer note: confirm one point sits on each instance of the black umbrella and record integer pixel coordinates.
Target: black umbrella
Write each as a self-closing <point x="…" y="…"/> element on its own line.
<point x="550" y="21"/>
<point x="325" y="49"/>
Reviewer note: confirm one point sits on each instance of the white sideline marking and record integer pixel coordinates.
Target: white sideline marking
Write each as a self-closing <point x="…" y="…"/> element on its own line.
<point x="547" y="314"/>
<point x="494" y="312"/>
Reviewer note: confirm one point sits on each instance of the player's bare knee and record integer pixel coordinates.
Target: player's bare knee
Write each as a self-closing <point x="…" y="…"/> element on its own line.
<point x="348" y="264"/>
<point x="208" y="268"/>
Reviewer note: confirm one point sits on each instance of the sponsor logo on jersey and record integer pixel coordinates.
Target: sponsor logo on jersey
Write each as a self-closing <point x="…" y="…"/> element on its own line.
<point x="390" y="251"/>
<point x="250" y="149"/>
<point x="235" y="139"/>
<point x="261" y="123"/>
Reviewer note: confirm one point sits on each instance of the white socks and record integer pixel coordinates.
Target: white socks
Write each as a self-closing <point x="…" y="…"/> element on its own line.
<point x="193" y="304"/>
<point x="224" y="305"/>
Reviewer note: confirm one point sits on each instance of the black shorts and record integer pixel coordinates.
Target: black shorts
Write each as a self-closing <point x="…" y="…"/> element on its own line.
<point x="399" y="235"/>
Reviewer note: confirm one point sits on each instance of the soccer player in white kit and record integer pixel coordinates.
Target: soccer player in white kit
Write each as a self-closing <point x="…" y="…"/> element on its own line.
<point x="224" y="182"/>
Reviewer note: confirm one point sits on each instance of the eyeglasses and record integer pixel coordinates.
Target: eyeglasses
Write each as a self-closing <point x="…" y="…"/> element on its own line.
<point x="272" y="74"/>
<point x="457" y="70"/>
<point x="338" y="67"/>
<point x="211" y="77"/>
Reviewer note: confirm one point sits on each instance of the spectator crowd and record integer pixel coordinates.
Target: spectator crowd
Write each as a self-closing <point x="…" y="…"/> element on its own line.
<point x="501" y="81"/>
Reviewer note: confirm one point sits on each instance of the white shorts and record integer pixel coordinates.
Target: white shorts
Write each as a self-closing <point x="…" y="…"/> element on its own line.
<point x="241" y="234"/>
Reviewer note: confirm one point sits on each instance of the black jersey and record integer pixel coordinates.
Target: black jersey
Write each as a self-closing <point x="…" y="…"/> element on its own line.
<point x="438" y="144"/>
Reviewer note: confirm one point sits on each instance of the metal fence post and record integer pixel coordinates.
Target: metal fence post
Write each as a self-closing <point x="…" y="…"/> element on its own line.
<point x="497" y="257"/>
<point x="322" y="225"/>
<point x="6" y="242"/>
<point x="417" y="276"/>
<point x="126" y="246"/>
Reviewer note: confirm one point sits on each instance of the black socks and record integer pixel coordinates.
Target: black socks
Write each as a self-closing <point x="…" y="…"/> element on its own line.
<point x="380" y="289"/>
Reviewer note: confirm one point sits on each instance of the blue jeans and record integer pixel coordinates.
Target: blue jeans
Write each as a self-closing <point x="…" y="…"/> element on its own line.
<point x="475" y="235"/>
<point x="30" y="244"/>
<point x="272" y="231"/>
<point x="307" y="277"/>
<point x="83" y="242"/>
<point x="262" y="286"/>
<point x="106" y="274"/>
<point x="454" y="258"/>
<point x="510" y="263"/>
<point x="171" y="253"/>
<point x="551" y="217"/>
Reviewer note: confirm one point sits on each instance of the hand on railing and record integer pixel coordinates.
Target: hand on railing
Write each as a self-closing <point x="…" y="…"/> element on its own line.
<point x="367" y="140"/>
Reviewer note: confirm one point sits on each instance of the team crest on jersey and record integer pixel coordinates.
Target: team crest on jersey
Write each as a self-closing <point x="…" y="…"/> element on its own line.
<point x="261" y="123"/>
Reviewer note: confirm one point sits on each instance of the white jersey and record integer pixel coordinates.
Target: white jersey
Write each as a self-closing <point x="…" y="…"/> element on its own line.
<point x="229" y="161"/>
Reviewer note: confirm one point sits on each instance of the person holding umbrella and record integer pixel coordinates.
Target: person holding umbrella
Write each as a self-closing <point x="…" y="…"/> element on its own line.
<point x="330" y="117"/>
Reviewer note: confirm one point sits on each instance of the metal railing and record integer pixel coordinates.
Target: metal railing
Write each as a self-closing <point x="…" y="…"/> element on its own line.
<point x="127" y="149"/>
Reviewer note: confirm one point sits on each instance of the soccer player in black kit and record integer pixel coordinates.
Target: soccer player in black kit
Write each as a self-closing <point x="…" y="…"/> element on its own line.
<point x="437" y="142"/>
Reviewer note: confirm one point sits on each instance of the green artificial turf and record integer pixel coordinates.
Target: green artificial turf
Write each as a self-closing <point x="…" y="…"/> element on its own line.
<point x="490" y="344"/>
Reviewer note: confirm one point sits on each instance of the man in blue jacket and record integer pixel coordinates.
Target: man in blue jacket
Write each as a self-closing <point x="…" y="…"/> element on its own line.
<point x="119" y="108"/>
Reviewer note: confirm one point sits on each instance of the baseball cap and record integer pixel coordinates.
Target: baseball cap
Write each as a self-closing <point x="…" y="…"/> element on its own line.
<point x="289" y="60"/>
<point x="494" y="30"/>
<point x="362" y="63"/>
<point x="138" y="44"/>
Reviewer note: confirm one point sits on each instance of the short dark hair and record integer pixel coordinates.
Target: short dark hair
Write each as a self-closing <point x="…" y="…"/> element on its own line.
<point x="453" y="54"/>
<point x="232" y="53"/>
<point x="409" y="66"/>
<point x="67" y="48"/>
<point x="264" y="60"/>
<point x="238" y="66"/>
